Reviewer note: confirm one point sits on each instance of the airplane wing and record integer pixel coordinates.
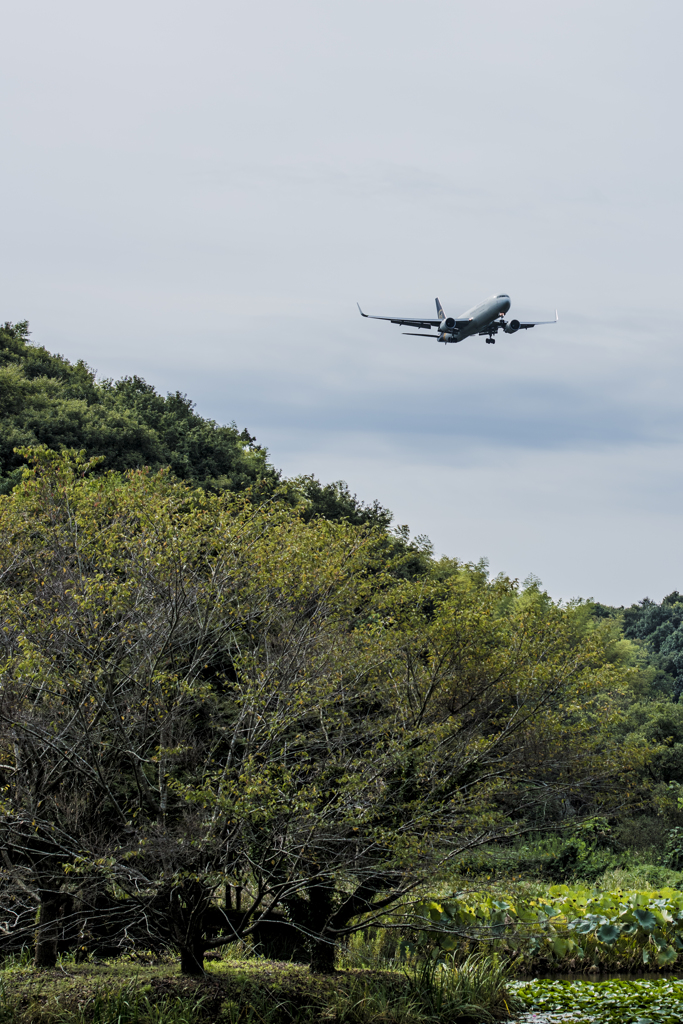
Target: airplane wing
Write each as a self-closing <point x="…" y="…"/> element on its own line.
<point x="408" y="323"/>
<point x="524" y="324"/>
<point x="425" y="324"/>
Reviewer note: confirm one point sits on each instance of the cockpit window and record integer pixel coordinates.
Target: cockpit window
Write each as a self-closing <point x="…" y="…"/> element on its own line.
<point x="502" y="296"/>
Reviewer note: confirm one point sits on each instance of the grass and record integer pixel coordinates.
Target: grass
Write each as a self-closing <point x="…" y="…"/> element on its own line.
<point x="382" y="978"/>
<point x="249" y="990"/>
<point x="476" y="987"/>
<point x="133" y="1007"/>
<point x="642" y="876"/>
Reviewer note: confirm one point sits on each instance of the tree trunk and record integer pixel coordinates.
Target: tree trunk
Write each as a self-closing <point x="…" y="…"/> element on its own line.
<point x="322" y="957"/>
<point x="187" y="905"/>
<point x="47" y="932"/>
<point x="192" y="960"/>
<point x="320" y="910"/>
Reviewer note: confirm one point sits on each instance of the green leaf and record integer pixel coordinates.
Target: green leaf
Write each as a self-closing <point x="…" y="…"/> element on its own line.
<point x="608" y="933"/>
<point x="629" y="928"/>
<point x="646" y="920"/>
<point x="666" y="956"/>
<point x="560" y="946"/>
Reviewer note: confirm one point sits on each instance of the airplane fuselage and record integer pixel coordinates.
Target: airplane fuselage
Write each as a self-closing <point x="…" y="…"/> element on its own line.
<point x="478" y="317"/>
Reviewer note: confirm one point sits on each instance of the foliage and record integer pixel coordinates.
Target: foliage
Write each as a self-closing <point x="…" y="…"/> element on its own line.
<point x="631" y="928"/>
<point x="658" y="629"/>
<point x="674" y="848"/>
<point x="585" y="854"/>
<point x="334" y="501"/>
<point x="134" y="1007"/>
<point x="256" y="992"/>
<point x="641" y="1001"/>
<point x="123" y="674"/>
<point x="47" y="400"/>
<point x="659" y="724"/>
<point x="199" y="693"/>
<point x="477" y="988"/>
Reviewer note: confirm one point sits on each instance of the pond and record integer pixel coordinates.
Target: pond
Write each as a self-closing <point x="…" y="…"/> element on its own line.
<point x="598" y="976"/>
<point x="639" y="999"/>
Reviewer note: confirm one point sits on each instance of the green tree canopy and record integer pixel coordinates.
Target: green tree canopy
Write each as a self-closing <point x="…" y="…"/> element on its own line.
<point x="45" y="399"/>
<point x="197" y="691"/>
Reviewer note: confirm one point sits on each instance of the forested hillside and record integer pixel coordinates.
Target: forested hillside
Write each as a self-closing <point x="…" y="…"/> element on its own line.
<point x="45" y="399"/>
<point x="237" y="708"/>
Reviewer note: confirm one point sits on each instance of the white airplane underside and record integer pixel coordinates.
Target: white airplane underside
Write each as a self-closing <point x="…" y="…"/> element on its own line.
<point x="486" y="319"/>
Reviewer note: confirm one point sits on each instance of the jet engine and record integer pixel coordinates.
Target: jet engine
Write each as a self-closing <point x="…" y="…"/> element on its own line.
<point x="447" y="325"/>
<point x="512" y="327"/>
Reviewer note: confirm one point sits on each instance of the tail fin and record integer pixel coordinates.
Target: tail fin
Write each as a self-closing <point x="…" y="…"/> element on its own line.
<point x="439" y="311"/>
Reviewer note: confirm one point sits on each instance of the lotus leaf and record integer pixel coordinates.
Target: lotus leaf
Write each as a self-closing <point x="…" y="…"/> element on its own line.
<point x="629" y="928"/>
<point x="608" y="933"/>
<point x="562" y="946"/>
<point x="548" y="910"/>
<point x="532" y="925"/>
<point x="645" y="919"/>
<point x="666" y="956"/>
<point x="610" y="1002"/>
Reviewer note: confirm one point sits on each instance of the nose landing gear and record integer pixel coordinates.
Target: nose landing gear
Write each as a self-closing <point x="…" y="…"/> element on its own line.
<point x="490" y="341"/>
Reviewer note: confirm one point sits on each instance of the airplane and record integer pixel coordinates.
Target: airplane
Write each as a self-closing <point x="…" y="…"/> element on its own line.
<point x="485" y="319"/>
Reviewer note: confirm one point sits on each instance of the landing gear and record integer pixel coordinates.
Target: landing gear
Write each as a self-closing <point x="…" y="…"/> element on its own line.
<point x="490" y="341"/>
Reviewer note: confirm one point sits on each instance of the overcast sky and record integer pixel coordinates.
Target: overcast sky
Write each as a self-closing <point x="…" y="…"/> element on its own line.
<point x="199" y="193"/>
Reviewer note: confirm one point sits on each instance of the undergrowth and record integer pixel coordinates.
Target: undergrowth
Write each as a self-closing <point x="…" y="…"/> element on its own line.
<point x="257" y="992"/>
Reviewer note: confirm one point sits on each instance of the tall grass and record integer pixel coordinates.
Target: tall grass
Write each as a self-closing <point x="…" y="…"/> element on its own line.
<point x="436" y="992"/>
<point x="640" y="876"/>
<point x="130" y="1007"/>
<point x="396" y="989"/>
<point x="477" y="987"/>
<point x="380" y="949"/>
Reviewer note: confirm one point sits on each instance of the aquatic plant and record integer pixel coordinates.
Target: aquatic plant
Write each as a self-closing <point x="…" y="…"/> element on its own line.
<point x="641" y="1001"/>
<point x="569" y="922"/>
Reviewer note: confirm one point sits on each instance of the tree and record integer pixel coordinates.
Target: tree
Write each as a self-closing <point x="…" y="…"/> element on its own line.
<point x="127" y="605"/>
<point x="221" y="694"/>
<point x="659" y="627"/>
<point x="48" y="400"/>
